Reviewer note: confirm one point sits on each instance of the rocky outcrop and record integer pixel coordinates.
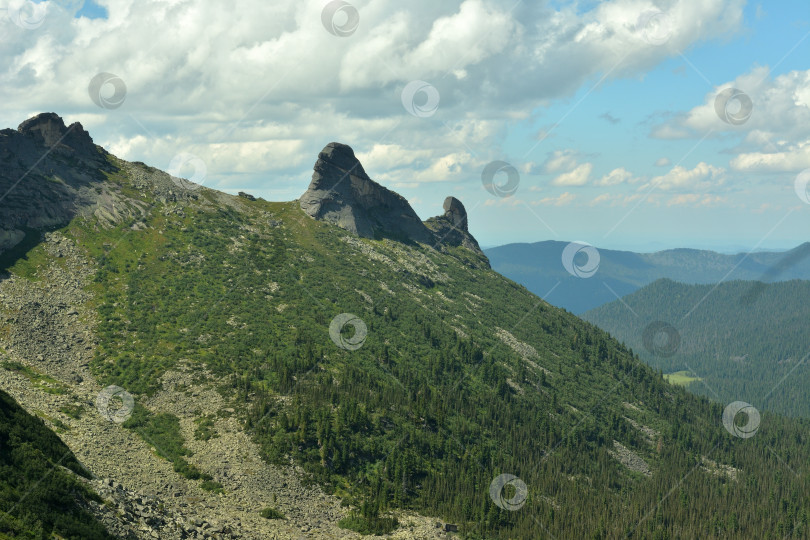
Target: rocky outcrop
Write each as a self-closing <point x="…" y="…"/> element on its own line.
<point x="451" y="227"/>
<point x="47" y="175"/>
<point x="51" y="173"/>
<point x="49" y="130"/>
<point x="343" y="194"/>
<point x="456" y="213"/>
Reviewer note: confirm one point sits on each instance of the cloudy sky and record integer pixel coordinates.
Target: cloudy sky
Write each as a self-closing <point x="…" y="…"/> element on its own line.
<point x="637" y="124"/>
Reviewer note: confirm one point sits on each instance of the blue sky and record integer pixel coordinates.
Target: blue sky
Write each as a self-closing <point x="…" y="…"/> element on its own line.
<point x="612" y="122"/>
<point x="91" y="10"/>
<point x="605" y="109"/>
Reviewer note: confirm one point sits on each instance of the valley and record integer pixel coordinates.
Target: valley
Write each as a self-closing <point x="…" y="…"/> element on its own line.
<point x="741" y="340"/>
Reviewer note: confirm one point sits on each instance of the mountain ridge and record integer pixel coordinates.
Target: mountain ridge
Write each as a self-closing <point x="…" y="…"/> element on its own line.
<point x="284" y="367"/>
<point x="539" y="267"/>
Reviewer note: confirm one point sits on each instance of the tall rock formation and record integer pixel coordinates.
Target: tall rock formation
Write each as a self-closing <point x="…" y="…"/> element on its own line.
<point x="47" y="171"/>
<point x="343" y="194"/>
<point x="451" y="227"/>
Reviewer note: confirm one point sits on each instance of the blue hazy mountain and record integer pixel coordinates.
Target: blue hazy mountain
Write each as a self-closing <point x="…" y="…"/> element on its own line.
<point x="538" y="266"/>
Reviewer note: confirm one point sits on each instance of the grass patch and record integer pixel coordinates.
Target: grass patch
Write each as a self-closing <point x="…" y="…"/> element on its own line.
<point x="73" y="411"/>
<point x="213" y="486"/>
<point x="22" y="259"/>
<point x="680" y="378"/>
<point x="162" y="431"/>
<point x="271" y="513"/>
<point x="39" y="380"/>
<point x="368" y="525"/>
<point x="205" y="428"/>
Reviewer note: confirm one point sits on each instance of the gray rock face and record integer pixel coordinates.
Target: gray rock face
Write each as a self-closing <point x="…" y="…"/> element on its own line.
<point x="48" y="130"/>
<point x="455" y="212"/>
<point x="50" y="173"/>
<point x="343" y="194"/>
<point x="451" y="228"/>
<point x="46" y="173"/>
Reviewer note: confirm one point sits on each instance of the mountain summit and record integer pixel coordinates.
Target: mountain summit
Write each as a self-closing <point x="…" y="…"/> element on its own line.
<point x="343" y="194"/>
<point x="451" y="227"/>
<point x="49" y="130"/>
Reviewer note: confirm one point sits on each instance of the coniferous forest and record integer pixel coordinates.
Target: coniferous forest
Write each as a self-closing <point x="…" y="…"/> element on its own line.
<point x="740" y="340"/>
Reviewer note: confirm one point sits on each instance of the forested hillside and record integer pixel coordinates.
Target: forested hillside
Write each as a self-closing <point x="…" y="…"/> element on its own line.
<point x="739" y="340"/>
<point x="462" y="376"/>
<point x="39" y="495"/>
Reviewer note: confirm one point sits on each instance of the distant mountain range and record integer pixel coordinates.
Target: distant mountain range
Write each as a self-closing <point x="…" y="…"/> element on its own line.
<point x="739" y="340"/>
<point x="539" y="267"/>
